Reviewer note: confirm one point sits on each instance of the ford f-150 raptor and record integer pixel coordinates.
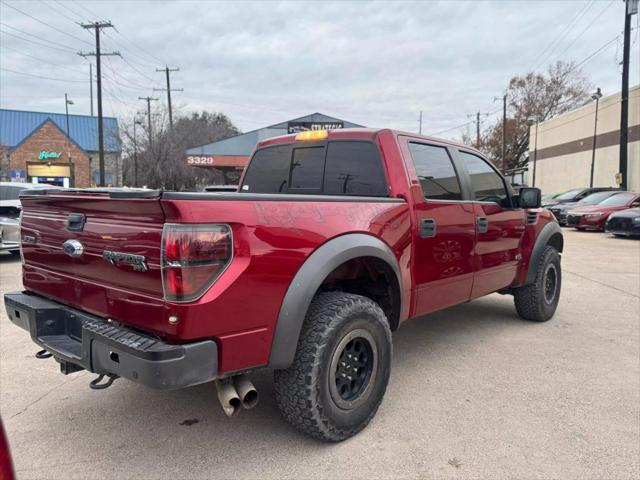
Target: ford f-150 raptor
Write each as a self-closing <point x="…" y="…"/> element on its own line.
<point x="333" y="239"/>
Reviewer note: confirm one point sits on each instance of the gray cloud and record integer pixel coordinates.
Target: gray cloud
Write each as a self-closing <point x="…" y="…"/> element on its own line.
<point x="375" y="63"/>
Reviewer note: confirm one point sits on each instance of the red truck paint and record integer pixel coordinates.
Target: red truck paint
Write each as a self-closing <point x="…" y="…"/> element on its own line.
<point x="271" y="241"/>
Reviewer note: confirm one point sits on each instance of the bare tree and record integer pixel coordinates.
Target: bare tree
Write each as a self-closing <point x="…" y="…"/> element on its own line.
<point x="535" y="95"/>
<point x="160" y="158"/>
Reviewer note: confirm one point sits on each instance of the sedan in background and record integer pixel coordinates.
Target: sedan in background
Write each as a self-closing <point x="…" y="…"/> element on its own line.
<point x="593" y="217"/>
<point x="575" y="195"/>
<point x="560" y="210"/>
<point x="625" y="223"/>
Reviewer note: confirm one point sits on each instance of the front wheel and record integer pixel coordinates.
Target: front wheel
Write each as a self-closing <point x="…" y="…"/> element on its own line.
<point x="340" y="370"/>
<point x="538" y="302"/>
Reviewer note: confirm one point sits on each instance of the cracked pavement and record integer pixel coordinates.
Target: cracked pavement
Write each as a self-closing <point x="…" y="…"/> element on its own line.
<point x="474" y="392"/>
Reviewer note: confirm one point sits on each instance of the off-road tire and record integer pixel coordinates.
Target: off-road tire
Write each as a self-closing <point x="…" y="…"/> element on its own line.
<point x="531" y="301"/>
<point x="303" y="391"/>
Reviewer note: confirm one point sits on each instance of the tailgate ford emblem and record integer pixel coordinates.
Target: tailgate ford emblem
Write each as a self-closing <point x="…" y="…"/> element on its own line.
<point x="73" y="248"/>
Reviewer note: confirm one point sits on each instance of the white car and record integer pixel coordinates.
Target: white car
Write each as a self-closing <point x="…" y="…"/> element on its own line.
<point x="10" y="208"/>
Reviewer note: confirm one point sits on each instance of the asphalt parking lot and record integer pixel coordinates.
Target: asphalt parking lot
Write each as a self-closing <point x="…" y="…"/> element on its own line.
<point x="474" y="392"/>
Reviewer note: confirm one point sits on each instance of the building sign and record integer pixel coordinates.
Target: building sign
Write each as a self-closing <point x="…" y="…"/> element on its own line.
<point x="199" y="160"/>
<point x="295" y="127"/>
<point x="44" y="155"/>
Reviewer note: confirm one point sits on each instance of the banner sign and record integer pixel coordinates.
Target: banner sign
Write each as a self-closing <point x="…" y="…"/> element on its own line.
<point x="18" y="176"/>
<point x="296" y="127"/>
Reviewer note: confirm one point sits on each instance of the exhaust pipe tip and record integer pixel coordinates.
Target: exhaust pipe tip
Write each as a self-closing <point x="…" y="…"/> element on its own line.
<point x="246" y="391"/>
<point x="228" y="397"/>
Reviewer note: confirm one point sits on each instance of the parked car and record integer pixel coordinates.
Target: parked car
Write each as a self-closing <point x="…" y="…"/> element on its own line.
<point x="333" y="241"/>
<point x="547" y="197"/>
<point x="575" y="195"/>
<point x="625" y="223"/>
<point x="560" y="210"/>
<point x="10" y="196"/>
<point x="593" y="217"/>
<point x="10" y="235"/>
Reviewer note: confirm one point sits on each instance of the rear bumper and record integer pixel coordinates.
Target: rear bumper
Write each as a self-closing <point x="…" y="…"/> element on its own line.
<point x="91" y="343"/>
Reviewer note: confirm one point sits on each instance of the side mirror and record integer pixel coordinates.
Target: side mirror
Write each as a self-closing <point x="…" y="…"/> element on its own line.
<point x="530" y="197"/>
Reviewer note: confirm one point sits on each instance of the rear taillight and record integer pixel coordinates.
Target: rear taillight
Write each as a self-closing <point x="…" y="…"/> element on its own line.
<point x="193" y="256"/>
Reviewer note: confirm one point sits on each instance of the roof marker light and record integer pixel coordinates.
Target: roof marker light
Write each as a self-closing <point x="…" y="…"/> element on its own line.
<point x="312" y="135"/>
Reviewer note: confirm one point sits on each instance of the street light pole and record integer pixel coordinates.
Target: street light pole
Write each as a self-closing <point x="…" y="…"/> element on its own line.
<point x="596" y="96"/>
<point x="72" y="175"/>
<point x="135" y="153"/>
<point x="535" y="149"/>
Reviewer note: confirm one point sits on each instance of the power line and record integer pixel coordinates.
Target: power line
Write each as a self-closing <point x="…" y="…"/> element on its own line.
<point x="554" y="44"/>
<point x="582" y="62"/>
<point x="41" y="76"/>
<point x="44" y="23"/>
<point x="59" y="12"/>
<point x="586" y="28"/>
<point x="60" y="46"/>
<point x="81" y="17"/>
<point x="42" y="60"/>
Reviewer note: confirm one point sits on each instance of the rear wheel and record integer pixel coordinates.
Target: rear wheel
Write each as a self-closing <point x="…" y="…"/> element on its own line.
<point x="538" y="302"/>
<point x="341" y="368"/>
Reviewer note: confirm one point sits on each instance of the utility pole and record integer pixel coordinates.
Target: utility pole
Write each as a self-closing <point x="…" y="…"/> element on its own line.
<point x="148" y="100"/>
<point x="504" y="133"/>
<point x="420" y="124"/>
<point x="97" y="27"/>
<point x="477" y="121"/>
<point x="91" y="86"/>
<point x="631" y="9"/>
<point x="68" y="102"/>
<point x="596" y="96"/>
<point x="531" y="121"/>
<point x="166" y="70"/>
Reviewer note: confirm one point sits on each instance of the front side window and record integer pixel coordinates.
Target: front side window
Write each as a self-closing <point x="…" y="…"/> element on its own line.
<point x="435" y="172"/>
<point x="487" y="185"/>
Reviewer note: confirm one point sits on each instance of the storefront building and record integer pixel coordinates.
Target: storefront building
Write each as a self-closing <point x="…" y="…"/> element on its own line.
<point x="564" y="151"/>
<point x="231" y="155"/>
<point x="35" y="148"/>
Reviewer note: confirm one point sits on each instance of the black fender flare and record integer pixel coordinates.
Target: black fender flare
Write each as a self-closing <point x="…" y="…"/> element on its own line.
<point x="308" y="279"/>
<point x="544" y="237"/>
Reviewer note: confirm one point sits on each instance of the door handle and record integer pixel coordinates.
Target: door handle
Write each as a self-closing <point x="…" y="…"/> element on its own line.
<point x="483" y="224"/>
<point x="75" y="222"/>
<point x="427" y="227"/>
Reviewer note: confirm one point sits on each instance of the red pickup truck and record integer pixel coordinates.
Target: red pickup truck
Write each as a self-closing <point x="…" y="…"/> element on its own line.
<point x="332" y="241"/>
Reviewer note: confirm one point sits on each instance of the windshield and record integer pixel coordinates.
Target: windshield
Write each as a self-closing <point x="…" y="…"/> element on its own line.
<point x="619" y="200"/>
<point x="11" y="192"/>
<point x="596" y="198"/>
<point x="569" y="194"/>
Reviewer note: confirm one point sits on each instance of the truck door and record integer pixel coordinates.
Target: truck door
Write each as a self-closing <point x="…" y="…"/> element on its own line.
<point x="444" y="230"/>
<point x="499" y="227"/>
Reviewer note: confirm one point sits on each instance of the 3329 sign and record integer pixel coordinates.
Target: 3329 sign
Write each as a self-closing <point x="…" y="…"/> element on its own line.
<point x="199" y="160"/>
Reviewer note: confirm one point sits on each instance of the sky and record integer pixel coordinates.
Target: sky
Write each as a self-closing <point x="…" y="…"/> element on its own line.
<point x="373" y="63"/>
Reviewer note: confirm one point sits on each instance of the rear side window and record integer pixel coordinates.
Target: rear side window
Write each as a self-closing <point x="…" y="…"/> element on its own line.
<point x="435" y="172"/>
<point x="487" y="185"/>
<point x="307" y="167"/>
<point x="268" y="171"/>
<point x="354" y="168"/>
<point x="337" y="168"/>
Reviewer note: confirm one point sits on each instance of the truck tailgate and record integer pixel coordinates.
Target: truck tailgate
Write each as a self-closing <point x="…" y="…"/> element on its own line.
<point x="99" y="279"/>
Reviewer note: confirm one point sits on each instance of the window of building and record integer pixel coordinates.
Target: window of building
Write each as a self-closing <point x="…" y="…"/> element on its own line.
<point x="354" y="168"/>
<point x="486" y="183"/>
<point x="435" y="172"/>
<point x="307" y="167"/>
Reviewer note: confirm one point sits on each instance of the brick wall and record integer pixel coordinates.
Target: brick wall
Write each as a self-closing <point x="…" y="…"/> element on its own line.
<point x="51" y="139"/>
